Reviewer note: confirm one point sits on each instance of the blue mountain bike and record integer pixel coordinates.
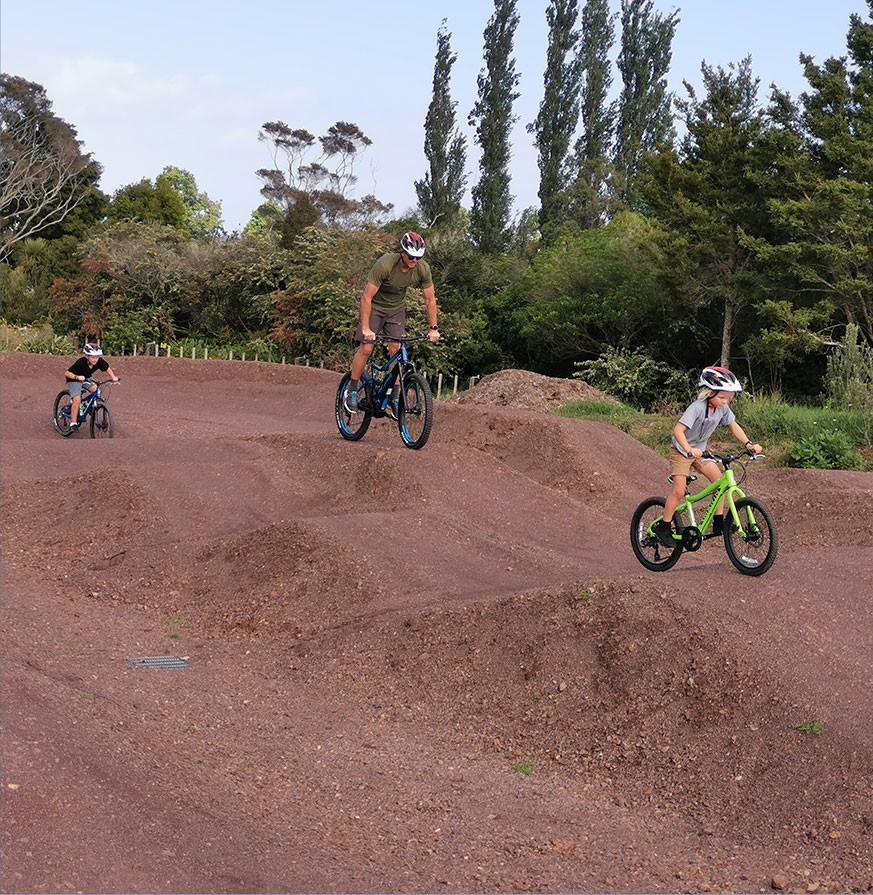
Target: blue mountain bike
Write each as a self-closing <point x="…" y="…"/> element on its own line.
<point x="412" y="409"/>
<point x="92" y="407"/>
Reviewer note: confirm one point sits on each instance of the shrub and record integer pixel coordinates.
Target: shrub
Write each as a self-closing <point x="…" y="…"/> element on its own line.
<point x="849" y="378"/>
<point x="59" y="345"/>
<point x="633" y="377"/>
<point x="828" y="449"/>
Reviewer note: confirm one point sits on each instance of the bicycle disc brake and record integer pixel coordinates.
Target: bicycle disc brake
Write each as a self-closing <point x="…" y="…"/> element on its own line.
<point x="692" y="538"/>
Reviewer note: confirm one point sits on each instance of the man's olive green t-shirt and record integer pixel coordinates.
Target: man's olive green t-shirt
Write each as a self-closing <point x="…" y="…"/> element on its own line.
<point x="393" y="283"/>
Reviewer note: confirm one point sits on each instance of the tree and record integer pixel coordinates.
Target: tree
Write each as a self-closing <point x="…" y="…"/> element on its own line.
<point x="202" y="214"/>
<point x="588" y="200"/>
<point x="708" y="200"/>
<point x="44" y="174"/>
<point x="589" y="290"/>
<point x="644" y="118"/>
<point x="150" y="203"/>
<point x="312" y="192"/>
<point x="820" y="180"/>
<point x="441" y="191"/>
<point x="558" y="114"/>
<point x="129" y="269"/>
<point x="493" y="119"/>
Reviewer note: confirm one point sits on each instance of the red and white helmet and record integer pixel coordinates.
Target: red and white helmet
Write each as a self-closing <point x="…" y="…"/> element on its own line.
<point x="720" y="379"/>
<point x="412" y="244"/>
<point x="92" y="349"/>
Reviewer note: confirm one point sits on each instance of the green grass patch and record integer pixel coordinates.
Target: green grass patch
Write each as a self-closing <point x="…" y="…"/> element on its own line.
<point x="523" y="767"/>
<point x="810" y="728"/>
<point x="791" y="434"/>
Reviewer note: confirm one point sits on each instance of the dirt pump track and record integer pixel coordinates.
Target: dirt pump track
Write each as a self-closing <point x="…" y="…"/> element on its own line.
<point x="381" y="642"/>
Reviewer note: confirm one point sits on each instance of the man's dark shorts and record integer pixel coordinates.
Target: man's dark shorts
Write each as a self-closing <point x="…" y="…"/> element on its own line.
<point x="387" y="322"/>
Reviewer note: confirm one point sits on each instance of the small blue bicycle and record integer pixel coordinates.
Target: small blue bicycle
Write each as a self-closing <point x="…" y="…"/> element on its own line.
<point x="93" y="407"/>
<point x="413" y="411"/>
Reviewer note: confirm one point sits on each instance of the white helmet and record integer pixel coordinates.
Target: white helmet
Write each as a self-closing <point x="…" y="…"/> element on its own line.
<point x="412" y="244"/>
<point x="720" y="379"/>
<point x="92" y="349"/>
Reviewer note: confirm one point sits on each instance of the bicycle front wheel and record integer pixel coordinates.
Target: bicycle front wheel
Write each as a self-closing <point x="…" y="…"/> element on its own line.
<point x="352" y="426"/>
<point x="415" y="413"/>
<point x="646" y="546"/>
<point x="101" y="422"/>
<point x="61" y="413"/>
<point x="752" y="548"/>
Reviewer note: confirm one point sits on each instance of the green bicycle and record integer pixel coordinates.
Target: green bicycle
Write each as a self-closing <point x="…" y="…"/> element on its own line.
<point x="750" y="538"/>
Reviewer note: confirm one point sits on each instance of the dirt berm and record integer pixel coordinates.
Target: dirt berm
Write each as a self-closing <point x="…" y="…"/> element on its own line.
<point x="438" y="670"/>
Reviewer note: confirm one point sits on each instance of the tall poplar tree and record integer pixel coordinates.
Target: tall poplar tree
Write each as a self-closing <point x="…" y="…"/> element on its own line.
<point x="558" y="115"/>
<point x="644" y="116"/>
<point x="493" y="119"/>
<point x="588" y="200"/>
<point x="441" y="191"/>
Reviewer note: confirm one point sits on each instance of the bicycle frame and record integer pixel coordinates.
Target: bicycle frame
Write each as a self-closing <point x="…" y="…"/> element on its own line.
<point x="89" y="402"/>
<point x="724" y="487"/>
<point x="397" y="366"/>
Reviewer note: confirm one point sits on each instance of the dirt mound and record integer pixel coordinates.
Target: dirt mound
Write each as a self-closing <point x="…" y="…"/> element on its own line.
<point x="436" y="670"/>
<point x="523" y="389"/>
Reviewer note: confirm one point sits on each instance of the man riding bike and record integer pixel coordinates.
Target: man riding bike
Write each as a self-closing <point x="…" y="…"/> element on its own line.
<point x="383" y="306"/>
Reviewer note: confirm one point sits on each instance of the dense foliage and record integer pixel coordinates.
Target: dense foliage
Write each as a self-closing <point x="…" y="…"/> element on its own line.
<point x="748" y="241"/>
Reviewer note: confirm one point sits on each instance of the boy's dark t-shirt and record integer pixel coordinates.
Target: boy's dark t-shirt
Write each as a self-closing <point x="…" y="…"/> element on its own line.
<point x="82" y="368"/>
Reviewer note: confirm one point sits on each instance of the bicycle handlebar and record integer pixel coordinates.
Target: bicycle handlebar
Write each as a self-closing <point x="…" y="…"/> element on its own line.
<point x="404" y="339"/>
<point x="727" y="459"/>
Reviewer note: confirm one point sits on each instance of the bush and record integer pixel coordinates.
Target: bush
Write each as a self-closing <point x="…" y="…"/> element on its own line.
<point x="849" y="379"/>
<point x="59" y="345"/>
<point x="633" y="377"/>
<point x="828" y="449"/>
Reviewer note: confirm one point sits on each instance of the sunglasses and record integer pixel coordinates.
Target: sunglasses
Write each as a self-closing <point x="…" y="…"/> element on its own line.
<point x="411" y="257"/>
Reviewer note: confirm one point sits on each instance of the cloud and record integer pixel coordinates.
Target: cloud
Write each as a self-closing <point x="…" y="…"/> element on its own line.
<point x="116" y="83"/>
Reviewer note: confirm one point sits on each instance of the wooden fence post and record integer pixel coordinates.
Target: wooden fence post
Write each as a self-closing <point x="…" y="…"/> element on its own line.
<point x="439" y="385"/>
<point x="205" y="352"/>
<point x="455" y="388"/>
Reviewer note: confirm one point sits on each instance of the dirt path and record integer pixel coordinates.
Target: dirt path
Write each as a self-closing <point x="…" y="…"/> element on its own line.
<point x="438" y="670"/>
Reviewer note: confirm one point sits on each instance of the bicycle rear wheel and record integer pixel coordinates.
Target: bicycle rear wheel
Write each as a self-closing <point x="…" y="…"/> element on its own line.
<point x="61" y="414"/>
<point x="415" y="412"/>
<point x="646" y="546"/>
<point x="752" y="549"/>
<point x="352" y="426"/>
<point x="101" y="422"/>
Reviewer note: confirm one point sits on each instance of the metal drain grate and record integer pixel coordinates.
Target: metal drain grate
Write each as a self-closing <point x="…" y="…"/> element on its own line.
<point x="159" y="662"/>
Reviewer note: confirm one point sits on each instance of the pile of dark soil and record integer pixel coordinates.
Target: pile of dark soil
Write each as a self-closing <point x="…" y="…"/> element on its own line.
<point x="532" y="391"/>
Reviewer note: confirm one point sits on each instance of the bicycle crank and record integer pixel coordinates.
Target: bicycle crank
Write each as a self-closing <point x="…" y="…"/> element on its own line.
<point x="692" y="538"/>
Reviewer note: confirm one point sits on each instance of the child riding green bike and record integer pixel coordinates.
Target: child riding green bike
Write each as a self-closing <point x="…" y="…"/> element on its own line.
<point x="661" y="530"/>
<point x="690" y="437"/>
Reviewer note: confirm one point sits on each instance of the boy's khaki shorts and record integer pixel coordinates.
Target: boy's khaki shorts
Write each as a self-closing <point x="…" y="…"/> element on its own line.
<point x="682" y="465"/>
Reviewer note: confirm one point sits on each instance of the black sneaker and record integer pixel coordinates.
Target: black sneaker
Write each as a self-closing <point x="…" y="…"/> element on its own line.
<point x="74" y="425"/>
<point x="718" y="525"/>
<point x="664" y="533"/>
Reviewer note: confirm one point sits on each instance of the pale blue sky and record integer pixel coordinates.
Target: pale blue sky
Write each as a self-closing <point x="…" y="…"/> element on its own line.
<point x="190" y="82"/>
